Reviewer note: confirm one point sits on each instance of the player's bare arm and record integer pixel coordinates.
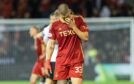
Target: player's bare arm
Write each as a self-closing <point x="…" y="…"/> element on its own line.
<point x="50" y="48"/>
<point x="81" y="35"/>
<point x="49" y="52"/>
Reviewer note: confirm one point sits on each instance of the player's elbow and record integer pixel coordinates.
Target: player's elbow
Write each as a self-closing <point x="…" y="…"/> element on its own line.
<point x="85" y="37"/>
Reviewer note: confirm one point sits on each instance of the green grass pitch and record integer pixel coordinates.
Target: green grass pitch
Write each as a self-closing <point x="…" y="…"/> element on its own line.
<point x="84" y="82"/>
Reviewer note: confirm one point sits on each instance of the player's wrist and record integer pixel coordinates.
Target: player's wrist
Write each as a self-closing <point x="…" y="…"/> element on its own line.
<point x="47" y="60"/>
<point x="47" y="64"/>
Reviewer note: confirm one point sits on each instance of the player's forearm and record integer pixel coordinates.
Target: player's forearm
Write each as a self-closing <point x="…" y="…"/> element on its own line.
<point x="81" y="35"/>
<point x="49" y="53"/>
<point x="49" y="50"/>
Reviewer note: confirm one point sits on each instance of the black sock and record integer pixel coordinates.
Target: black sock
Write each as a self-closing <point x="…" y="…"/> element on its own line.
<point x="42" y="79"/>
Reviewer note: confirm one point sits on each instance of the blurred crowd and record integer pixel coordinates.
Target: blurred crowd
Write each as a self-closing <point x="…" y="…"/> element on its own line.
<point x="87" y="8"/>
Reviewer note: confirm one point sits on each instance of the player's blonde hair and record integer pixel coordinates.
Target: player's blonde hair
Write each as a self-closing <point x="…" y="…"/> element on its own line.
<point x="63" y="9"/>
<point x="55" y="13"/>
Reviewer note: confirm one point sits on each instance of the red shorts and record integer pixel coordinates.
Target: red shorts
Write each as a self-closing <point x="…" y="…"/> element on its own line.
<point x="62" y="72"/>
<point x="37" y="68"/>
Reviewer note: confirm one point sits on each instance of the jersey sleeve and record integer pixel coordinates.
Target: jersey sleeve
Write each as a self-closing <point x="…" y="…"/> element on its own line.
<point x="38" y="42"/>
<point x="45" y="35"/>
<point x="51" y="34"/>
<point x="82" y="25"/>
<point x="43" y="32"/>
<point x="38" y="46"/>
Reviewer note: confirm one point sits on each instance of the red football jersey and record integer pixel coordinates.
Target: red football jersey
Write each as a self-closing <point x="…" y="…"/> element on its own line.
<point x="69" y="44"/>
<point x="38" y="47"/>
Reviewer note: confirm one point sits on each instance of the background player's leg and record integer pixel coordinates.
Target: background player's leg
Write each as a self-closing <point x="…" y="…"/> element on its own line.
<point x="54" y="82"/>
<point x="61" y="81"/>
<point x="33" y="78"/>
<point x="76" y="80"/>
<point x="69" y="81"/>
<point x="49" y="81"/>
<point x="42" y="80"/>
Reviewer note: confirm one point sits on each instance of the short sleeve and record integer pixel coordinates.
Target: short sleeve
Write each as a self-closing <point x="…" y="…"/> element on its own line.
<point x="38" y="42"/>
<point x="51" y="34"/>
<point x="82" y="25"/>
<point x="43" y="32"/>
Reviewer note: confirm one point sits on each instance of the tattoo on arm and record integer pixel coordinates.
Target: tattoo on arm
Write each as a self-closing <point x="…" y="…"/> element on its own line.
<point x="51" y="47"/>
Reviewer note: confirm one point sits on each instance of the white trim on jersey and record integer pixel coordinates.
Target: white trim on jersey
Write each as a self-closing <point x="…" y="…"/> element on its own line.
<point x="45" y="34"/>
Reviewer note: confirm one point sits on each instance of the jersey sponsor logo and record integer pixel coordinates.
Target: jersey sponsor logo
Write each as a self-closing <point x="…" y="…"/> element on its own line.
<point x="78" y="69"/>
<point x="67" y="33"/>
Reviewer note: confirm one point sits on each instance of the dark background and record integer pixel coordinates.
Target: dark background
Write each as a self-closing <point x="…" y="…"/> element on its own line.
<point x="87" y="8"/>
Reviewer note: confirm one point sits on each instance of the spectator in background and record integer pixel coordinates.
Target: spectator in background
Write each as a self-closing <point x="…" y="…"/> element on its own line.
<point x="7" y="8"/>
<point x="44" y="8"/>
<point x="95" y="13"/>
<point x="125" y="10"/>
<point x="105" y="12"/>
<point x="74" y="5"/>
<point x="88" y="8"/>
<point x="22" y="9"/>
<point x="1" y="4"/>
<point x="33" y="7"/>
<point x="82" y="9"/>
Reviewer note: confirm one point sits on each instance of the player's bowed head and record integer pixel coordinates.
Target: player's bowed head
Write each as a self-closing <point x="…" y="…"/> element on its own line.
<point x="64" y="13"/>
<point x="66" y="17"/>
<point x="33" y="31"/>
<point x="54" y="16"/>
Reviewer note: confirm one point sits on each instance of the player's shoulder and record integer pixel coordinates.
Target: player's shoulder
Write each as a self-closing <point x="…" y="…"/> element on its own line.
<point x="54" y="24"/>
<point x="38" y="38"/>
<point x="45" y="28"/>
<point x="78" y="16"/>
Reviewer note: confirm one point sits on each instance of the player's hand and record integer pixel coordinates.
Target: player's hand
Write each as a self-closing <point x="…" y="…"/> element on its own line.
<point x="70" y="22"/>
<point x="48" y="69"/>
<point x="43" y="71"/>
